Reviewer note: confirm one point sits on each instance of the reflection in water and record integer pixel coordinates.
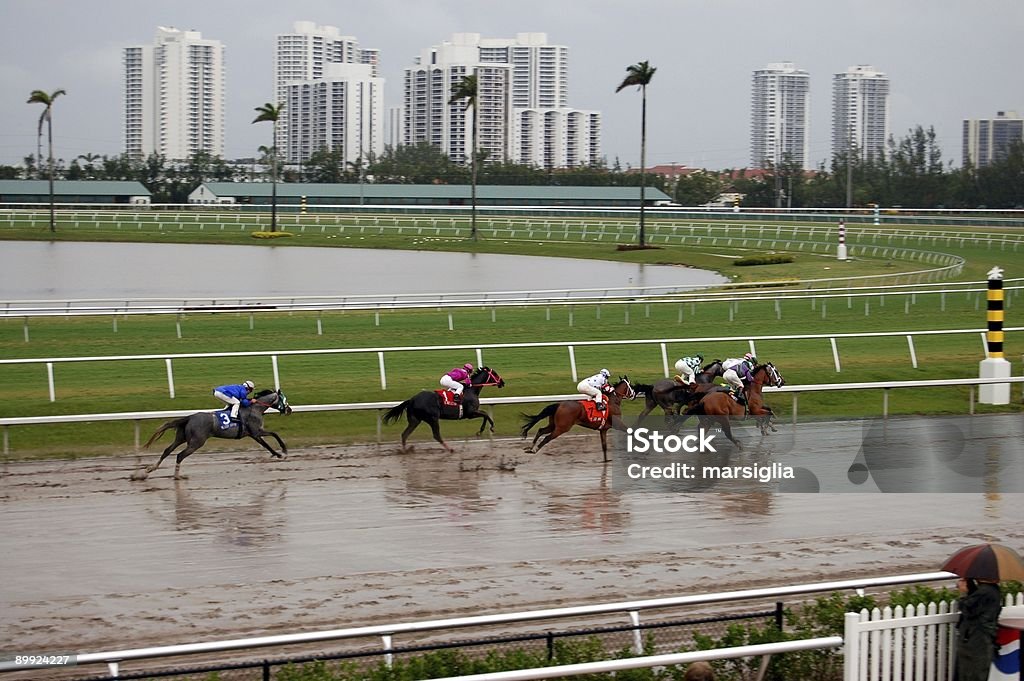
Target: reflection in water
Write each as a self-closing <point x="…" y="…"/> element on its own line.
<point x="452" y="481"/>
<point x="598" y="509"/>
<point x="255" y="520"/>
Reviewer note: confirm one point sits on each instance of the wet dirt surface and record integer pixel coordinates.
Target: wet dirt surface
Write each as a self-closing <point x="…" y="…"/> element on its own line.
<point x="336" y="537"/>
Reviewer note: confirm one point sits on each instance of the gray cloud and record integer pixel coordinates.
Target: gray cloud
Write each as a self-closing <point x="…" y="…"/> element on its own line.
<point x="705" y="51"/>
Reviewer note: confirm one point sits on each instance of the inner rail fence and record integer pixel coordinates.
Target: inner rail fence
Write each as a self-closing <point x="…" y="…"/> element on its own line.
<point x="795" y="391"/>
<point x="657" y="295"/>
<point x="662" y="344"/>
<point x="387" y="633"/>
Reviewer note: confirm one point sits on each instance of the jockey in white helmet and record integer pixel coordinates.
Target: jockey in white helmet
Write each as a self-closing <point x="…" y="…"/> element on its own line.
<point x="593" y="386"/>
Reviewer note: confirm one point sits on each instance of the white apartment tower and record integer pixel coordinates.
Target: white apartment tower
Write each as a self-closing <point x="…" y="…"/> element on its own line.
<point x="174" y="96"/>
<point x="304" y="55"/>
<point x="988" y="139"/>
<point x="342" y="110"/>
<point x="779" y="116"/>
<point x="523" y="87"/>
<point x="860" y="112"/>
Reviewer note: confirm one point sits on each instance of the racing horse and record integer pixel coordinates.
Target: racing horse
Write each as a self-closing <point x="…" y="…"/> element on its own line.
<point x="717" y="406"/>
<point x="196" y="429"/>
<point x="427" y="406"/>
<point x="670" y="395"/>
<point x="562" y="416"/>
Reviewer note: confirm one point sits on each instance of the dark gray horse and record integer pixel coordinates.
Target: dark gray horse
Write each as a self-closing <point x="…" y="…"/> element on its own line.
<point x="196" y="429"/>
<point x="670" y="395"/>
<point x="427" y="406"/>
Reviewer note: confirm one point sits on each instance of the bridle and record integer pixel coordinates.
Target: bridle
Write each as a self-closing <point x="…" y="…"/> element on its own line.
<point x="492" y="379"/>
<point x="630" y="393"/>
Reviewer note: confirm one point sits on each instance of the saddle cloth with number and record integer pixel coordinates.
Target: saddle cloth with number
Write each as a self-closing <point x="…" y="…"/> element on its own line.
<point x="596" y="418"/>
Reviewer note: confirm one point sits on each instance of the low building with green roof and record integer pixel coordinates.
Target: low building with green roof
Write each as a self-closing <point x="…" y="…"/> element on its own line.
<point x="74" y="191"/>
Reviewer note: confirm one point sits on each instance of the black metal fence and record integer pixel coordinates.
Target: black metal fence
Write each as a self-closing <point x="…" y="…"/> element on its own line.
<point x="648" y="638"/>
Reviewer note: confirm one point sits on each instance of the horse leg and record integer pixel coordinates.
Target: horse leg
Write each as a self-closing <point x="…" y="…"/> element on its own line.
<point x="604" y="443"/>
<point x="284" y="447"/>
<point x="435" y="428"/>
<point x="649" y="405"/>
<point x="179" y="439"/>
<point x="727" y="430"/>
<point x="182" y="455"/>
<point x="483" y="423"/>
<point x="266" y="445"/>
<point x="552" y="434"/>
<point x="414" y="422"/>
<point x="540" y="432"/>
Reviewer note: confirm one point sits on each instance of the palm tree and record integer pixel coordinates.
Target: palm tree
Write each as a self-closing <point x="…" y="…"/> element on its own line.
<point x="47" y="100"/>
<point x="640" y="74"/>
<point x="467" y="89"/>
<point x="270" y="112"/>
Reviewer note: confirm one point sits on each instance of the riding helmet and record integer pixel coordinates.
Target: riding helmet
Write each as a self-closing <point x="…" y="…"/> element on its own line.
<point x="467" y="366"/>
<point x="249" y="385"/>
<point x="605" y="373"/>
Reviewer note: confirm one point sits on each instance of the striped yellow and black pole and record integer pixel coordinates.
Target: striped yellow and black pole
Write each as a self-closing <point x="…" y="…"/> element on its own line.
<point x="994" y="365"/>
<point x="995" y="313"/>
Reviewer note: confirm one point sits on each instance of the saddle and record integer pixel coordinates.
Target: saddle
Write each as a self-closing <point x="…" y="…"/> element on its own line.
<point x="451" y="405"/>
<point x="225" y="422"/>
<point x="594" y="416"/>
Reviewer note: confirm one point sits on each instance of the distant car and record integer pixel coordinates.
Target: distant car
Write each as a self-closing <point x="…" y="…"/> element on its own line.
<point x="671" y="204"/>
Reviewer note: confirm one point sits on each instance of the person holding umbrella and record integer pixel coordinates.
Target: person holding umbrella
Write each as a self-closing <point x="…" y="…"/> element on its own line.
<point x="980" y="603"/>
<point x="980" y="569"/>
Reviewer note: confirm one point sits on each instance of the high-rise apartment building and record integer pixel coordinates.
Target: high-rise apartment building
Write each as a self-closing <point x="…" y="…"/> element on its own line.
<point x="860" y="112"/>
<point x="523" y="112"/>
<point x="343" y="110"/>
<point x="305" y="55"/>
<point x="779" y="115"/>
<point x="556" y="138"/>
<point x="174" y="96"/>
<point x="987" y="139"/>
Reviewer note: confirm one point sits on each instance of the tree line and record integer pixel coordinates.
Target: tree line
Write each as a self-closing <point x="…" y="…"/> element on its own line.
<point x="912" y="173"/>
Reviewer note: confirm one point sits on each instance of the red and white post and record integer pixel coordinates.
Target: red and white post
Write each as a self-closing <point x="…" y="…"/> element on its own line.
<point x="841" y="252"/>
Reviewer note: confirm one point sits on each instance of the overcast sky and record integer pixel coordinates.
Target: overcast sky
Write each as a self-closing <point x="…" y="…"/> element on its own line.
<point x="947" y="60"/>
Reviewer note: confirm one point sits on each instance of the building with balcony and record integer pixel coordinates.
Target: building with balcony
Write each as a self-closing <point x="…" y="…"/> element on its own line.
<point x="174" y="96"/>
<point x="779" y="116"/>
<point x="988" y="139"/>
<point x="306" y="55"/>
<point x="523" y="111"/>
<point x="860" y="112"/>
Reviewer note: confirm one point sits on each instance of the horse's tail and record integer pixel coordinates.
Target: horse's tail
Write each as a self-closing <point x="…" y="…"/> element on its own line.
<point x="531" y="421"/>
<point x="164" y="428"/>
<point x="395" y="413"/>
<point x="643" y="389"/>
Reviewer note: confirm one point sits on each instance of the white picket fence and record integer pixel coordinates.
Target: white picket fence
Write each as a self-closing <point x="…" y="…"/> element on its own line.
<point x="903" y="644"/>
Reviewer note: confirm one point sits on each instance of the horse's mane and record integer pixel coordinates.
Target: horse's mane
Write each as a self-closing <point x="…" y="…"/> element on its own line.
<point x="264" y="393"/>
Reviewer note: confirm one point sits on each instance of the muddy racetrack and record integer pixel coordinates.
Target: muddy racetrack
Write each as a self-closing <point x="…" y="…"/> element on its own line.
<point x="344" y="536"/>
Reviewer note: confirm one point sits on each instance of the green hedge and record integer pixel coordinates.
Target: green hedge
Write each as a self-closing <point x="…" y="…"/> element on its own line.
<point x="764" y="260"/>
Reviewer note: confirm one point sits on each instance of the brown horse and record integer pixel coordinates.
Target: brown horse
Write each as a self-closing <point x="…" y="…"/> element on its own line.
<point x="562" y="416"/>
<point x="719" y="407"/>
<point x="671" y="396"/>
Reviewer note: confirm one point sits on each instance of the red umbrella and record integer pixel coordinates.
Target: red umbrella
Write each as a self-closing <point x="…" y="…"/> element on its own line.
<point x="992" y="562"/>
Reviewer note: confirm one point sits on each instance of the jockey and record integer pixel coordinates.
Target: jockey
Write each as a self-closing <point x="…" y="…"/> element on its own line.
<point x="737" y="371"/>
<point x="457" y="379"/>
<point x="687" y="367"/>
<point x="593" y="386"/>
<point x="235" y="395"/>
